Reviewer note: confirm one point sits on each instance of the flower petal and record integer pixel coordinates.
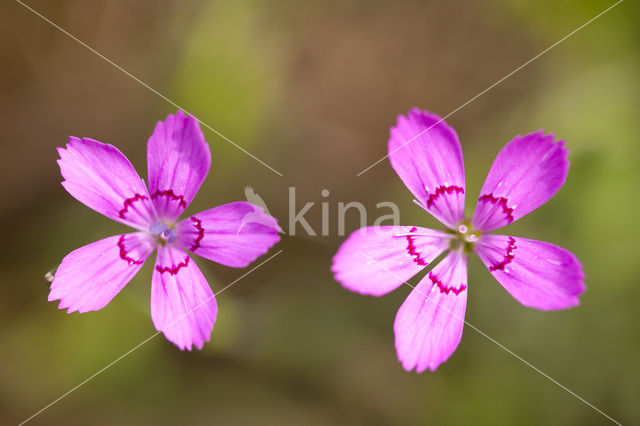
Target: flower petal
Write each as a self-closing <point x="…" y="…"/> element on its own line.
<point x="377" y="260"/>
<point x="537" y="274"/>
<point x="526" y="174"/>
<point x="89" y="277"/>
<point x="183" y="306"/>
<point x="428" y="326"/>
<point x="100" y="176"/>
<point x="178" y="160"/>
<point x="233" y="234"/>
<point x="430" y="165"/>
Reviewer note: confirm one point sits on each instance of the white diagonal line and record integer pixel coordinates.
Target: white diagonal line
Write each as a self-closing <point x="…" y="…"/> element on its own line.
<point x="493" y="85"/>
<point x="148" y="87"/>
<point x="144" y="341"/>
<point x="476" y="329"/>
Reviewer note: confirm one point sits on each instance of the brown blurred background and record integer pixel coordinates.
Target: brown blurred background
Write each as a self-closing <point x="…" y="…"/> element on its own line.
<point x="311" y="88"/>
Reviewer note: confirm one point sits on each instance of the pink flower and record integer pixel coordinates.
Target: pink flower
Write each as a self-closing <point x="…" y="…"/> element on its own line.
<point x="526" y="174"/>
<point x="100" y="176"/>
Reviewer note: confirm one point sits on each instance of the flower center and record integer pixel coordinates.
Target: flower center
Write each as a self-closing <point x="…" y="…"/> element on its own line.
<point x="465" y="237"/>
<point x="163" y="232"/>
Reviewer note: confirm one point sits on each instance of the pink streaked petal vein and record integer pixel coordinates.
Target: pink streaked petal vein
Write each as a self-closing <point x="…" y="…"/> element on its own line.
<point x="233" y="234"/>
<point x="101" y="177"/>
<point x="173" y="269"/>
<point x="178" y="160"/>
<point x="90" y="277"/>
<point x="197" y="224"/>
<point x="376" y="260"/>
<point x="431" y="165"/>
<point x="128" y="203"/>
<point x="428" y="326"/>
<point x="442" y="189"/>
<point x="183" y="307"/>
<point x="501" y="202"/>
<point x="527" y="172"/>
<point x="536" y="273"/>
<point x="168" y="193"/>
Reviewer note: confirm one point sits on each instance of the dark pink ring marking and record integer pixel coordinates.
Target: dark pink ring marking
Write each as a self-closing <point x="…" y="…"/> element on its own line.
<point x="442" y="190"/>
<point x="413" y="251"/>
<point x="444" y="289"/>
<point x="128" y="202"/>
<point x="197" y="223"/>
<point x="169" y="193"/>
<point x="508" y="258"/>
<point x="502" y="202"/>
<point x="173" y="269"/>
<point x="124" y="254"/>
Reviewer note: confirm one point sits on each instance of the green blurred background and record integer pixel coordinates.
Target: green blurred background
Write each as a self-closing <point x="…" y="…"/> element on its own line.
<point x="312" y="88"/>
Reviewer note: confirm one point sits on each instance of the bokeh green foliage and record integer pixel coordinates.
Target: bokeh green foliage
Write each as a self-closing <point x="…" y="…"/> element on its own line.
<point x="290" y="345"/>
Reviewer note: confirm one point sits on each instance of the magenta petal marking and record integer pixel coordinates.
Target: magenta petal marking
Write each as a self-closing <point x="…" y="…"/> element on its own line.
<point x="508" y="258"/>
<point x="526" y="172"/>
<point x="183" y="306"/>
<point x="541" y="276"/>
<point x="223" y="234"/>
<point x="425" y="153"/>
<point x="100" y="176"/>
<point x="443" y="288"/>
<point x="377" y="260"/>
<point x="124" y="254"/>
<point x="90" y="277"/>
<point x="428" y="326"/>
<point x="178" y="158"/>
<point x="171" y="195"/>
<point x="442" y="189"/>
<point x="412" y="249"/>
<point x="128" y="202"/>
<point x="502" y="202"/>
<point x="197" y="223"/>
<point x="173" y="269"/>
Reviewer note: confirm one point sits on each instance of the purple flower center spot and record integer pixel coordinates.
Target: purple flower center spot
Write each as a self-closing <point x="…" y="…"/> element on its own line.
<point x="170" y="235"/>
<point x="163" y="232"/>
<point x="158" y="228"/>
